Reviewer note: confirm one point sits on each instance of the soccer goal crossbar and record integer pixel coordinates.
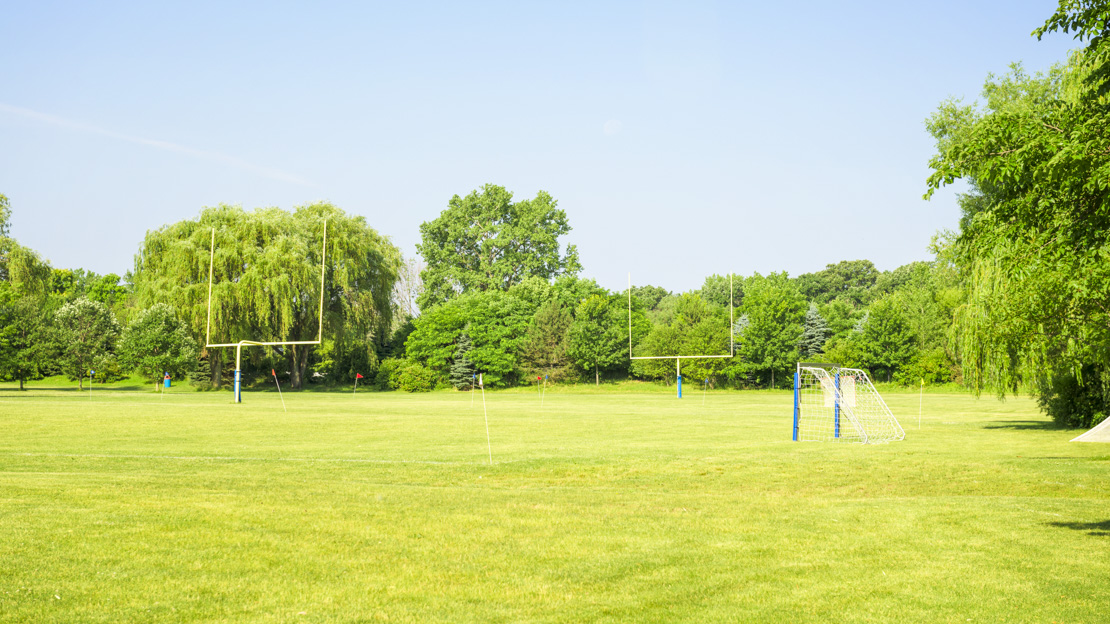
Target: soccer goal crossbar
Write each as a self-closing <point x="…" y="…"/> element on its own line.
<point x="678" y="358"/>
<point x="837" y="404"/>
<point x="257" y="343"/>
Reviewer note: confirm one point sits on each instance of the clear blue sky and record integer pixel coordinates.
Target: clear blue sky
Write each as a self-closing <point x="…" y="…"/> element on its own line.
<point x="682" y="139"/>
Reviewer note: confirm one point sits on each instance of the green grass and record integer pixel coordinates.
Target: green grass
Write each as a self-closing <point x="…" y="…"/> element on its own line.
<point x="615" y="505"/>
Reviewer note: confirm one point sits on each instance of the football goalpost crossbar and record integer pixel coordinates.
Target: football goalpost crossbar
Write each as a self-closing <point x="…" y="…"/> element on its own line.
<point x="678" y="358"/>
<point x="257" y="343"/>
<point x="837" y="404"/>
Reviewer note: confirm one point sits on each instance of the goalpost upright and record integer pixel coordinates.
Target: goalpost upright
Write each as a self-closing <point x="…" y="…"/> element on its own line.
<point x="255" y="343"/>
<point x="678" y="358"/>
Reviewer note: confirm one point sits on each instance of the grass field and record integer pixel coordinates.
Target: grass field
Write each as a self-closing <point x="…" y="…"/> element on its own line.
<point x="618" y="505"/>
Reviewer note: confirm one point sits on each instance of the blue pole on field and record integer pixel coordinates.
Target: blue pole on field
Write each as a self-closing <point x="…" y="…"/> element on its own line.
<point x="836" y="398"/>
<point x="795" y="406"/>
<point x="238" y="391"/>
<point x="680" y="386"/>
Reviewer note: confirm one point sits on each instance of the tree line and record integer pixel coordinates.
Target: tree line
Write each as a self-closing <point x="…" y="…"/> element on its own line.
<point x="1014" y="300"/>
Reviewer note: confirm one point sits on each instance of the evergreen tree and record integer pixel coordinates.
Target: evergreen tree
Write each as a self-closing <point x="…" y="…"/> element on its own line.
<point x="462" y="369"/>
<point x="545" y="348"/>
<point x="814" y="333"/>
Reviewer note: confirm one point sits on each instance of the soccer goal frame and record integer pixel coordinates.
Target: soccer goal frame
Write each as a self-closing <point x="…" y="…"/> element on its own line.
<point x="838" y="404"/>
<point x="257" y="343"/>
<point x="678" y="358"/>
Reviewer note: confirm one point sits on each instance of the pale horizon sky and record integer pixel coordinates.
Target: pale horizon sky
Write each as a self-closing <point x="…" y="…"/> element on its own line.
<point x="682" y="139"/>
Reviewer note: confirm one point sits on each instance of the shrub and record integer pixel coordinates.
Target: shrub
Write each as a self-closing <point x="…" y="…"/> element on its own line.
<point x="1072" y="401"/>
<point x="413" y="377"/>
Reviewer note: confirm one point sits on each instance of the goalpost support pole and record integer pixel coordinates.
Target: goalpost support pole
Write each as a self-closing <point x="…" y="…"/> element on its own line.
<point x="678" y="373"/>
<point x="797" y="388"/>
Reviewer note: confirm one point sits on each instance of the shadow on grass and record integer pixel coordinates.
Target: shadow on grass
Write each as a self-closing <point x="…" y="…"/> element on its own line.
<point x="1027" y="425"/>
<point x="1097" y="529"/>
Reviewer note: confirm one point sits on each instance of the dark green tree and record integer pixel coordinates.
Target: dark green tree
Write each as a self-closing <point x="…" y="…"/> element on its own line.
<point x="486" y="241"/>
<point x="24" y="336"/>
<point x="815" y="332"/>
<point x="462" y="369"/>
<point x="544" y="350"/>
<point x="598" y="336"/>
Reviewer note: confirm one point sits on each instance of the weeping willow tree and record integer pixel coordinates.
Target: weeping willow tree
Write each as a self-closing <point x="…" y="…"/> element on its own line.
<point x="1034" y="241"/>
<point x="266" y="277"/>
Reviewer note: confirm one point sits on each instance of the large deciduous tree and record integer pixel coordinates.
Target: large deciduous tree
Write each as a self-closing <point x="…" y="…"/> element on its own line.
<point x="598" y="337"/>
<point x="486" y="241"/>
<point x="1034" y="243"/>
<point x="156" y="343"/>
<point x="774" y="311"/>
<point x="267" y="277"/>
<point x="86" y="338"/>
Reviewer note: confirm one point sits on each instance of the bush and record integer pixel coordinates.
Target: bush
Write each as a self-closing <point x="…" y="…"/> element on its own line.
<point x="385" y="379"/>
<point x="413" y="377"/>
<point x="1075" y="402"/>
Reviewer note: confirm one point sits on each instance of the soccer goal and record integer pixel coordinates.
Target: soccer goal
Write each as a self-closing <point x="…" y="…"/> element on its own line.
<point x="835" y="404"/>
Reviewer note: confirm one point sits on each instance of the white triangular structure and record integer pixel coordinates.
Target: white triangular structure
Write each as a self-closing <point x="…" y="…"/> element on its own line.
<point x="1101" y="433"/>
<point x="833" y="404"/>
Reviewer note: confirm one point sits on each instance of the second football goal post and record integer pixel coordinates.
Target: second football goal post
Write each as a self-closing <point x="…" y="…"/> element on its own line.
<point x="256" y="343"/>
<point x="678" y="358"/>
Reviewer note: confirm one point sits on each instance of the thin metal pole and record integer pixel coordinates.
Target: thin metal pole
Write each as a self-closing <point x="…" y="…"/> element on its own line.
<point x="544" y="391"/>
<point x="279" y="390"/>
<point x="323" y="258"/>
<point x="486" y="415"/>
<point x="920" y="399"/>
<point x="355" y="391"/>
<point x="211" y="259"/>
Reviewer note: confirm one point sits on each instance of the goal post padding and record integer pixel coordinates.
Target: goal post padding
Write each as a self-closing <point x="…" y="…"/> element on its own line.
<point x="834" y="404"/>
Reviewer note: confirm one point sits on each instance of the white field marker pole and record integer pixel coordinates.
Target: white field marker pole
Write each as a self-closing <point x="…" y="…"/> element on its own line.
<point x="486" y="415"/>
<point x="920" y="399"/>
<point x="704" y="389"/>
<point x="472" y="392"/>
<point x="544" y="391"/>
<point x="163" y="389"/>
<point x="91" y="373"/>
<point x="274" y="373"/>
<point x="355" y="391"/>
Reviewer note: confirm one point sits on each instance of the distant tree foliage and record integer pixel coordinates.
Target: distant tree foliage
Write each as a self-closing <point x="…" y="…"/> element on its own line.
<point x="486" y="241"/>
<point x="850" y="280"/>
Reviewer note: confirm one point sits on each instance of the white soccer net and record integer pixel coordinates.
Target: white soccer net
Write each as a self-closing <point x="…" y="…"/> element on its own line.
<point x="841" y="405"/>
